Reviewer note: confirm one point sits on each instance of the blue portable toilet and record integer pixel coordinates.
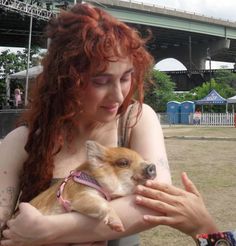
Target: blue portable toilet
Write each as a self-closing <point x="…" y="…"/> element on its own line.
<point x="186" y="108"/>
<point x="173" y="110"/>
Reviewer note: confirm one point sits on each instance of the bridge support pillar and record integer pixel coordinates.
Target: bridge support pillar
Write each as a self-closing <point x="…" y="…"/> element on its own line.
<point x="198" y="53"/>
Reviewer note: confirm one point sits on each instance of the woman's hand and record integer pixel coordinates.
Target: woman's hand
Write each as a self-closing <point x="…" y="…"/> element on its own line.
<point x="182" y="209"/>
<point x="27" y="228"/>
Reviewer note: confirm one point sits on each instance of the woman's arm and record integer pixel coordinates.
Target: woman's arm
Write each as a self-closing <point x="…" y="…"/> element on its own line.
<point x="12" y="156"/>
<point x="147" y="139"/>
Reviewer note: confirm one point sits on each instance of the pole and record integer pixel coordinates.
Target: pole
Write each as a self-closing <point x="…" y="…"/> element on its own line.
<point x="209" y="59"/>
<point x="28" y="60"/>
<point x="190" y="52"/>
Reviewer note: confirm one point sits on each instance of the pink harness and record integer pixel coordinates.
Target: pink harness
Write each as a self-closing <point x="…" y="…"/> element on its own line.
<point x="82" y="178"/>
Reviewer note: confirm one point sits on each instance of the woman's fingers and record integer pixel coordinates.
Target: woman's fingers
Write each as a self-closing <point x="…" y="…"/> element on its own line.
<point x="157" y="195"/>
<point x="156" y="205"/>
<point x="189" y="185"/>
<point x="166" y="188"/>
<point x="158" y="220"/>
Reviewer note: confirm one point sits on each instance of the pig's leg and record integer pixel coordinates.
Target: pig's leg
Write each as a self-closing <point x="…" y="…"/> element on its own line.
<point x="96" y="206"/>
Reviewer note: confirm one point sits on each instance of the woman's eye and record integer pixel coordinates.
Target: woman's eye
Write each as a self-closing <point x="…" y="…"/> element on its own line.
<point x="126" y="78"/>
<point x="99" y="81"/>
<point x="123" y="162"/>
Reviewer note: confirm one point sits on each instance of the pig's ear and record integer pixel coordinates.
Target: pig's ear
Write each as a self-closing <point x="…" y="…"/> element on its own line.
<point x="95" y="152"/>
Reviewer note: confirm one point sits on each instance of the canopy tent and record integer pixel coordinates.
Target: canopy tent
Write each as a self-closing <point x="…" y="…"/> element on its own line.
<point x="232" y="100"/>
<point x="32" y="73"/>
<point x="212" y="98"/>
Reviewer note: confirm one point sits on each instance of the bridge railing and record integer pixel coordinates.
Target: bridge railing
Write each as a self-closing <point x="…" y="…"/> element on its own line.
<point x="154" y="7"/>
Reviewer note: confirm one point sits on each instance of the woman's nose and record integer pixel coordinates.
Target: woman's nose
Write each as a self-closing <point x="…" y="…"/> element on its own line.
<point x="117" y="93"/>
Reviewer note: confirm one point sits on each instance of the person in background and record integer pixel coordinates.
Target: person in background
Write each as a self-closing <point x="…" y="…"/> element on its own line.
<point x="17" y="96"/>
<point x="91" y="88"/>
<point x="184" y="210"/>
<point x="197" y="117"/>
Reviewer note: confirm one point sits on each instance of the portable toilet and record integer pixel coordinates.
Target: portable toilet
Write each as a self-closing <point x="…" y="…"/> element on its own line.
<point x="186" y="108"/>
<point x="173" y="110"/>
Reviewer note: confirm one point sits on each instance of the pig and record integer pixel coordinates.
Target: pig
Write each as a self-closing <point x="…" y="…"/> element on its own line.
<point x="108" y="173"/>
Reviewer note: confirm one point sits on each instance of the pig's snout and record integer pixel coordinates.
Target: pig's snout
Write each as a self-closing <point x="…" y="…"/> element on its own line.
<point x="150" y="171"/>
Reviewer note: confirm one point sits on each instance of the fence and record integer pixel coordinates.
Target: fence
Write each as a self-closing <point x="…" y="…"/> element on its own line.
<point x="217" y="119"/>
<point x="207" y="119"/>
<point x="9" y="117"/>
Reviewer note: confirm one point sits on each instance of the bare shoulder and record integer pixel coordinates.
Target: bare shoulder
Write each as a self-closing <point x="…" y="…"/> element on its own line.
<point x="17" y="136"/>
<point x="147" y="116"/>
<point x="148" y="113"/>
<point x="12" y="147"/>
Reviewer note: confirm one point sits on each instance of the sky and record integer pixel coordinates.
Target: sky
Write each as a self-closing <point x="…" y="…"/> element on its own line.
<point x="222" y="9"/>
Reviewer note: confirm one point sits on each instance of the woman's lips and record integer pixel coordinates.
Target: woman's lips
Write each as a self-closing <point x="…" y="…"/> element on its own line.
<point x="111" y="109"/>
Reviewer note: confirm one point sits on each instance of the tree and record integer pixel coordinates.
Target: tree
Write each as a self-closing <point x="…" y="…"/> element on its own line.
<point x="160" y="91"/>
<point x="222" y="88"/>
<point x="10" y="63"/>
<point x="226" y="77"/>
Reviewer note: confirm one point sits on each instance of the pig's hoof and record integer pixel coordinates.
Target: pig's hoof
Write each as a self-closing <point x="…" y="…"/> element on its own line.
<point x="114" y="225"/>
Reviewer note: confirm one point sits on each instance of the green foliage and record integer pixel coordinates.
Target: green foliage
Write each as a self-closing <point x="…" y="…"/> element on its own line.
<point x="160" y="91"/>
<point x="10" y="63"/>
<point x="222" y="88"/>
<point x="226" y="77"/>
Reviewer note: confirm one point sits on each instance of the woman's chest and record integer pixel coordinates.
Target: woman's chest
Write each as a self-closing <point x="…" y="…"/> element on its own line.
<point x="71" y="157"/>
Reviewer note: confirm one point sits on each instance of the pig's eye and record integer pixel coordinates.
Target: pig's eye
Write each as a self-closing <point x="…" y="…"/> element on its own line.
<point x="123" y="162"/>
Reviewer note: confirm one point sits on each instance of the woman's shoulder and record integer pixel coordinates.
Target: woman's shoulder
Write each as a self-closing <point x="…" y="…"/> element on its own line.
<point x="141" y="112"/>
<point x="12" y="149"/>
<point x="141" y="108"/>
<point x="16" y="138"/>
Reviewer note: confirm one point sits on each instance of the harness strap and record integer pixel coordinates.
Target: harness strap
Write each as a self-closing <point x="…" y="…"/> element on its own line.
<point x="81" y="178"/>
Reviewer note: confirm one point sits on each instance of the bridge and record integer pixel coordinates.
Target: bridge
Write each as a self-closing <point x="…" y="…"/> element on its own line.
<point x="186" y="80"/>
<point x="188" y="37"/>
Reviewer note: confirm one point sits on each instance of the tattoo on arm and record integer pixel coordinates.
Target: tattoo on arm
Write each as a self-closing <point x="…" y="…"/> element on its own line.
<point x="7" y="201"/>
<point x="163" y="163"/>
<point x="7" y="196"/>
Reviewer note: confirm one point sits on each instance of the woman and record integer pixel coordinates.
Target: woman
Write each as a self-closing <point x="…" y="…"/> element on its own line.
<point x="94" y="67"/>
<point x="183" y="210"/>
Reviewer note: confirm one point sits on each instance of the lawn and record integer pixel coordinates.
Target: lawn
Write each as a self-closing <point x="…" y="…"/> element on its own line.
<point x="210" y="163"/>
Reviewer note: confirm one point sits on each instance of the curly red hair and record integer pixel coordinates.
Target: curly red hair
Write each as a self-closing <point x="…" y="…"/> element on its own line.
<point x="83" y="41"/>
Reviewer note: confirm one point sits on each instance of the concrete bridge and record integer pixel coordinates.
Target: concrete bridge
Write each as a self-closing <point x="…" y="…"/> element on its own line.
<point x="188" y="37"/>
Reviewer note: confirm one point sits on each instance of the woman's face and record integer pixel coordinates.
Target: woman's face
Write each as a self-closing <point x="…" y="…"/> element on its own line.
<point x="106" y="91"/>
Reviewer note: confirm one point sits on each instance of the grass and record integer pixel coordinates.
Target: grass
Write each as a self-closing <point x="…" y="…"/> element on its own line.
<point x="211" y="164"/>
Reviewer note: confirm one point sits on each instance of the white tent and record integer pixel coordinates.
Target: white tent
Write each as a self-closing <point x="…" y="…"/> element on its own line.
<point x="32" y="73"/>
<point x="232" y="100"/>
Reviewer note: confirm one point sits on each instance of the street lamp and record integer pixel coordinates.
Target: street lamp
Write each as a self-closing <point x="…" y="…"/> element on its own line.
<point x="209" y="59"/>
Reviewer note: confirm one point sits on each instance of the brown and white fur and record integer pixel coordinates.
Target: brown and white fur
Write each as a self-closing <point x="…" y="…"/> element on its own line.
<point x="117" y="170"/>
